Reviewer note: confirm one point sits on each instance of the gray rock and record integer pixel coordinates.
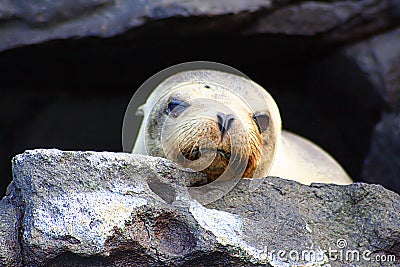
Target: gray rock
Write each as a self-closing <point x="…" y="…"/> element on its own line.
<point x="101" y="209"/>
<point x="379" y="58"/>
<point x="308" y="18"/>
<point x="34" y="22"/>
<point x="76" y="201"/>
<point x="27" y="22"/>
<point x="331" y="21"/>
<point x="10" y="252"/>
<point x="382" y="164"/>
<point x="43" y="11"/>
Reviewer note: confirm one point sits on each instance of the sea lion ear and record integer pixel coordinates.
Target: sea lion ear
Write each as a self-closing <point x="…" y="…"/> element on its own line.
<point x="262" y="121"/>
<point x="140" y="110"/>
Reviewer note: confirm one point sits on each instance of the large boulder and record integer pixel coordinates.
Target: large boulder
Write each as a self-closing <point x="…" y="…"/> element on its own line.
<point x="103" y="208"/>
<point x="378" y="58"/>
<point x="278" y="38"/>
<point x="27" y="22"/>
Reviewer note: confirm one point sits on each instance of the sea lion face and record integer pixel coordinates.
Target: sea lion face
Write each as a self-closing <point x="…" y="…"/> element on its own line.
<point x="207" y="127"/>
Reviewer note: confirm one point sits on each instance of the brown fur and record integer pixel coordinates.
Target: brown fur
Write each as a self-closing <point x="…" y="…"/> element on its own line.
<point x="204" y="134"/>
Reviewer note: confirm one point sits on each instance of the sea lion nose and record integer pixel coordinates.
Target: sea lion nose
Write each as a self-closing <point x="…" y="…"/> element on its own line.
<point x="224" y="122"/>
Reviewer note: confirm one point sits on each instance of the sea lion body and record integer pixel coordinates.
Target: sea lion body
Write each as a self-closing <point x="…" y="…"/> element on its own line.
<point x="225" y="125"/>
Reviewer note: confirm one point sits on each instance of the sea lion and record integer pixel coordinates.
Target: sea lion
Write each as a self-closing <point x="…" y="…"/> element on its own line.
<point x="225" y="126"/>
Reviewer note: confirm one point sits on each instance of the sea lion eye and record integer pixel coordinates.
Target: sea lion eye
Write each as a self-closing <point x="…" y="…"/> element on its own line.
<point x="262" y="121"/>
<point x="175" y="106"/>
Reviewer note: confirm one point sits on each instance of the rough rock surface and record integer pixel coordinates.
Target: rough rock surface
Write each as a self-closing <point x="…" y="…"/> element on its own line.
<point x="379" y="58"/>
<point x="292" y="33"/>
<point x="101" y="209"/>
<point x="10" y="252"/>
<point x="27" y="23"/>
<point x="382" y="164"/>
<point x="35" y="22"/>
<point x="339" y="20"/>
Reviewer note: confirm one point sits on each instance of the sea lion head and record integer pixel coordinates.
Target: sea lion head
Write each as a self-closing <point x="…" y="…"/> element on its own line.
<point x="214" y="122"/>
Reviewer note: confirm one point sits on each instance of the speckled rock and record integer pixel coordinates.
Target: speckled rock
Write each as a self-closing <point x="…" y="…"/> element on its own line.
<point x="10" y="252"/>
<point x="102" y="209"/>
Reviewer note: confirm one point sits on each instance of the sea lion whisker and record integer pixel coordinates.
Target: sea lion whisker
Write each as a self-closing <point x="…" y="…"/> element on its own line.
<point x="195" y="144"/>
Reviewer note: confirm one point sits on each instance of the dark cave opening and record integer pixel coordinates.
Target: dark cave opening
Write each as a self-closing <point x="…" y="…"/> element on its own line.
<point x="72" y="94"/>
